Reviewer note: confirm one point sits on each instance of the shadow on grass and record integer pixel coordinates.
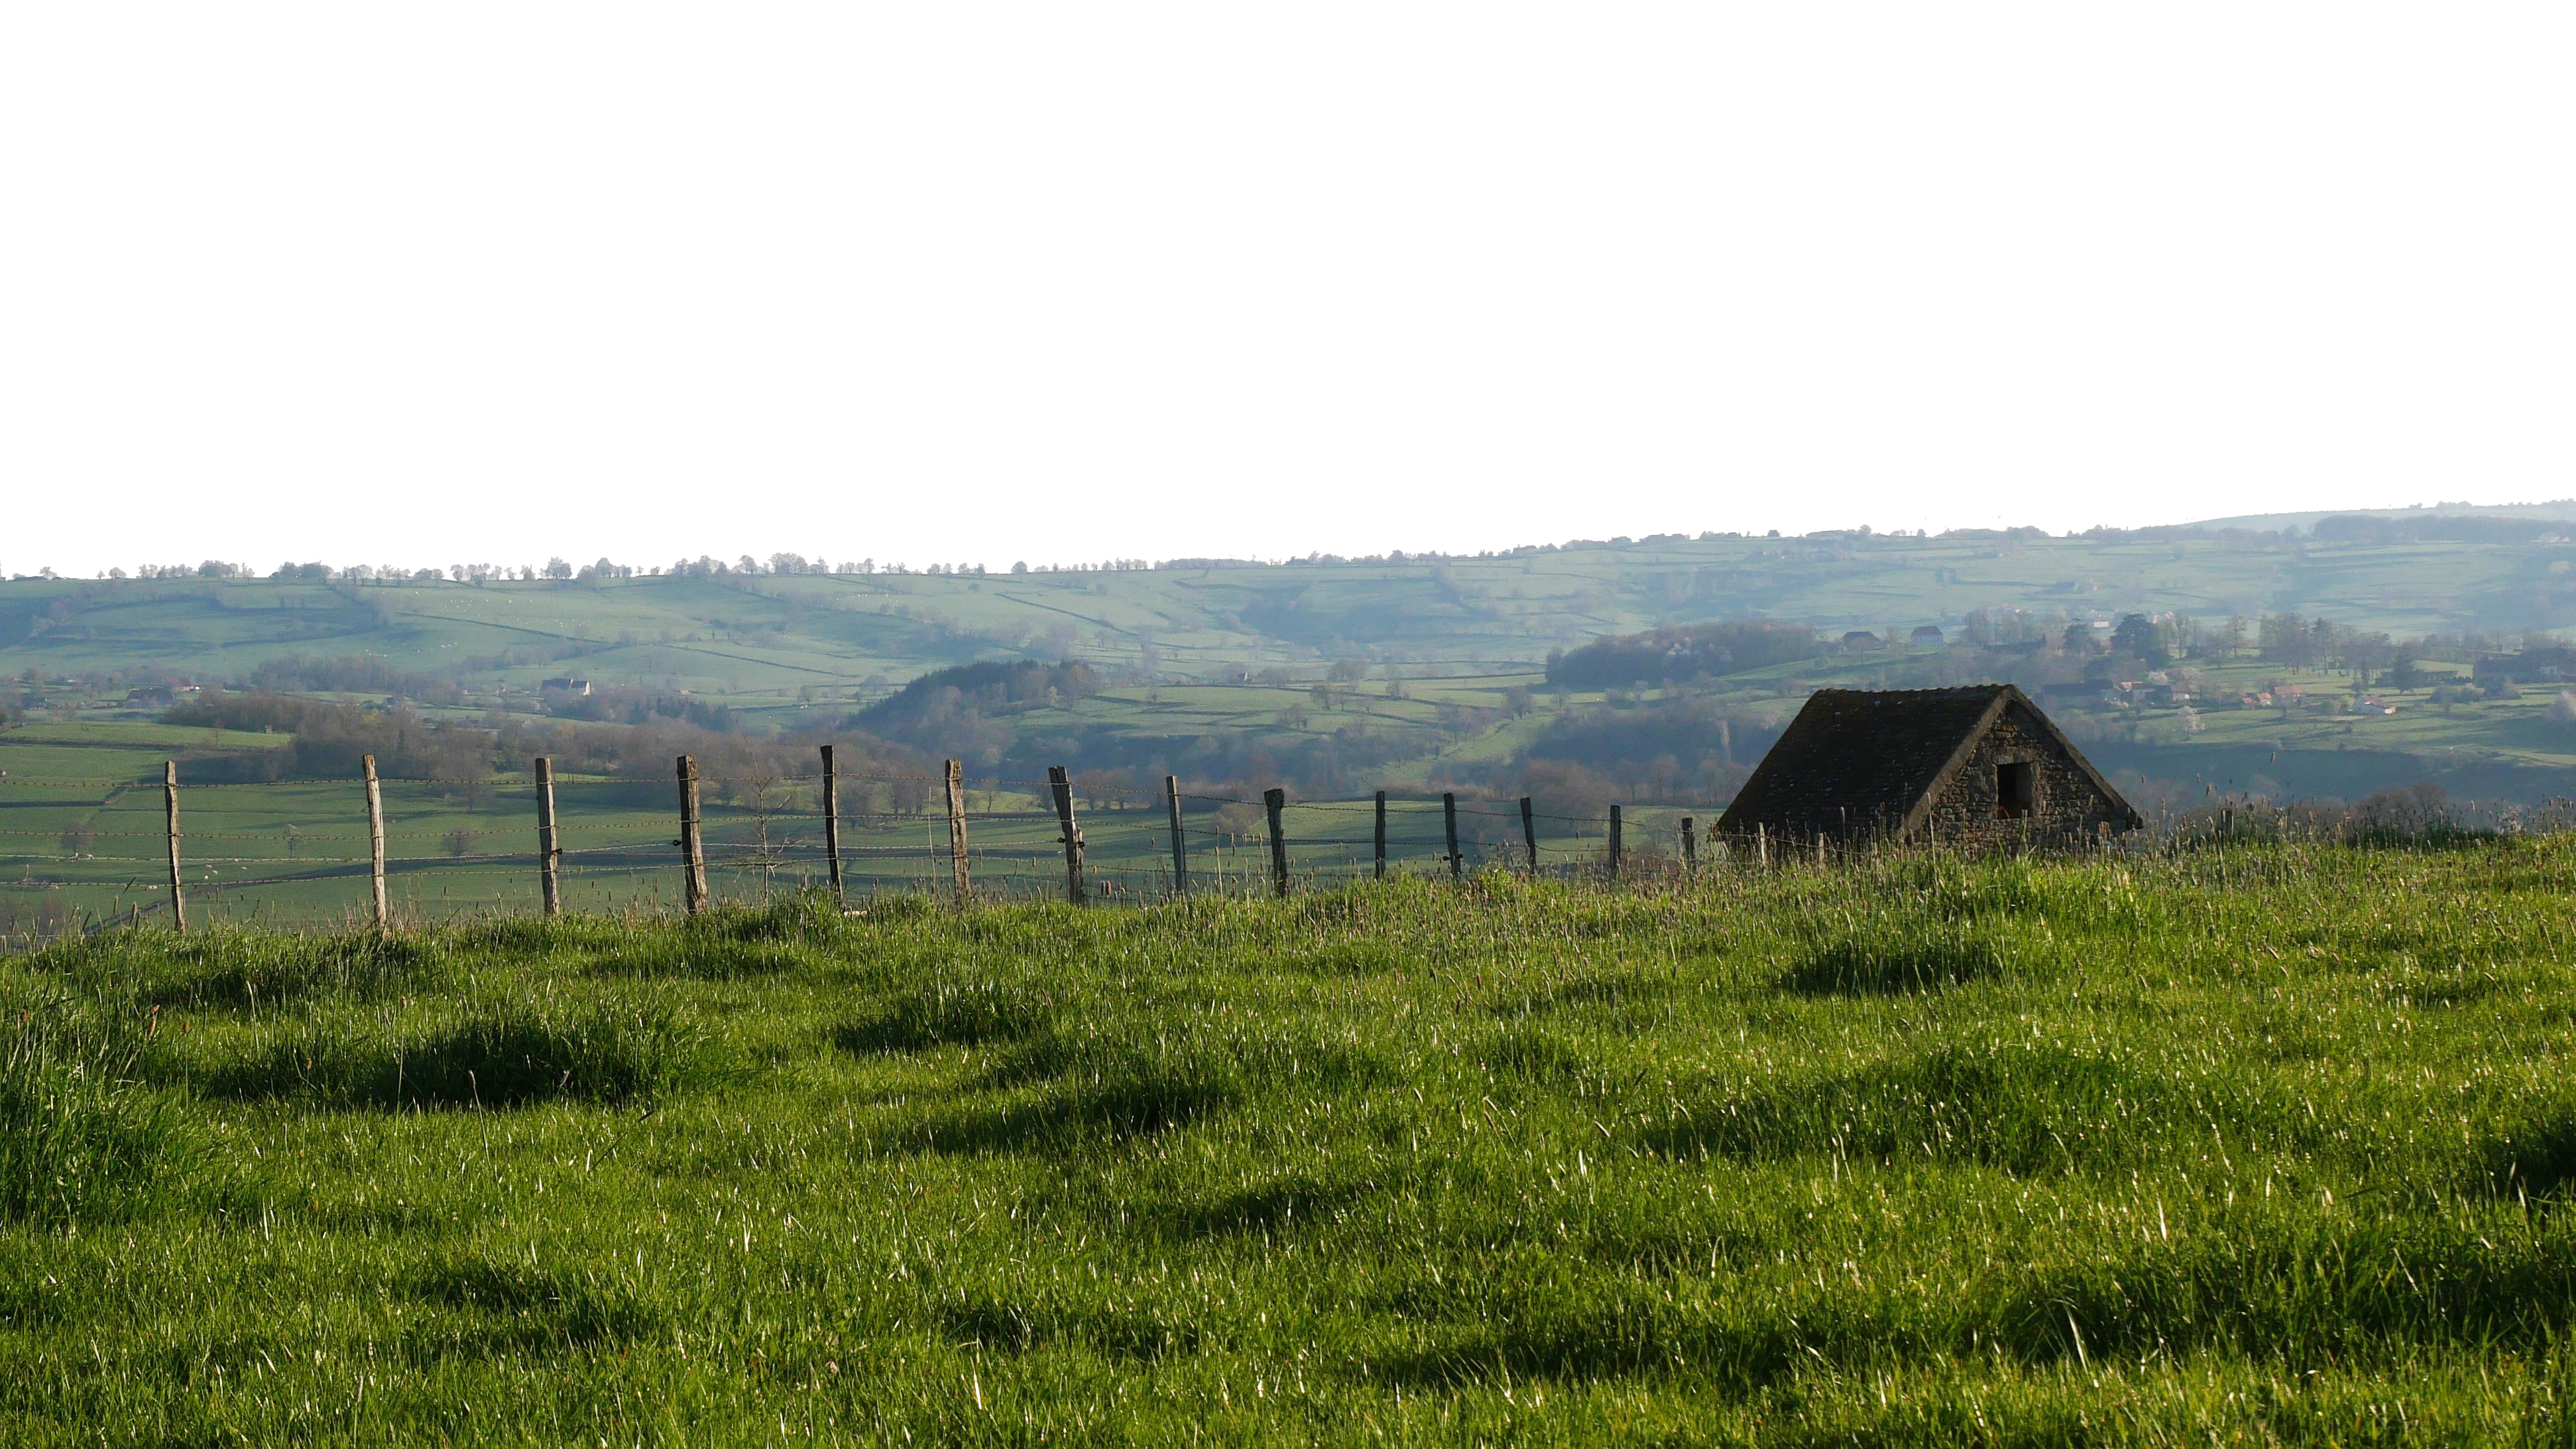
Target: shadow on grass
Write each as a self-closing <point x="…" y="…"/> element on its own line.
<point x="1286" y="1202"/>
<point x="502" y="1054"/>
<point x="1611" y="990"/>
<point x="2303" y="1293"/>
<point x="2535" y="1162"/>
<point x="81" y="1136"/>
<point x="1901" y="961"/>
<point x="948" y="1014"/>
<point x="247" y="970"/>
<point x="1137" y="1101"/>
<point x="2023" y="1109"/>
<point x="514" y="1308"/>
<point x="1134" y="1336"/>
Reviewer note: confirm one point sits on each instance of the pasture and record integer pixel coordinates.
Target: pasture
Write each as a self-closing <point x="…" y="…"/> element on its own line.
<point x="84" y="840"/>
<point x="780" y="636"/>
<point x="2262" y="1143"/>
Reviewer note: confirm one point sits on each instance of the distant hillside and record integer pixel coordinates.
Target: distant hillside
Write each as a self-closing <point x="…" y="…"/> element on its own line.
<point x="2562" y="509"/>
<point x="796" y="638"/>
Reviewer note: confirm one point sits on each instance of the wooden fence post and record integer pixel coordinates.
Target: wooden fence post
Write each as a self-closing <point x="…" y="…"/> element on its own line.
<point x="1529" y="834"/>
<point x="1614" y="842"/>
<point x="1273" y="801"/>
<point x="1820" y="850"/>
<point x="1690" y="847"/>
<point x="693" y="857"/>
<point x="1062" y="785"/>
<point x="170" y="806"/>
<point x="375" y="838"/>
<point x="956" y="776"/>
<point x="1381" y="835"/>
<point x="549" y="846"/>
<point x="1761" y="847"/>
<point x="832" y="827"/>
<point x="1449" y="820"/>
<point x="1180" y="842"/>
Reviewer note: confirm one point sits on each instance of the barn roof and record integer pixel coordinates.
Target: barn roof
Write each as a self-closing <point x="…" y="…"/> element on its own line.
<point x="1861" y="761"/>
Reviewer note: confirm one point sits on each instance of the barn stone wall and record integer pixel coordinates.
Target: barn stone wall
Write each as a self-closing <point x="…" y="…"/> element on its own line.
<point x="2067" y="808"/>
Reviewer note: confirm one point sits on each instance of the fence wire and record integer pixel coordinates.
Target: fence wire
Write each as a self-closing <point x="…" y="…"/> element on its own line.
<point x="297" y="851"/>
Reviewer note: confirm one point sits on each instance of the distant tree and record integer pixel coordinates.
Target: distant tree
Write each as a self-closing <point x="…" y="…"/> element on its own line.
<point x="1664" y="656"/>
<point x="2137" y="635"/>
<point x="556" y="568"/>
<point x="2284" y="639"/>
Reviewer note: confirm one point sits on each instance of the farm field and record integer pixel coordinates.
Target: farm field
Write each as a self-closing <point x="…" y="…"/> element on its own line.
<point x="83" y="837"/>
<point x="781" y="639"/>
<point x="2264" y="1144"/>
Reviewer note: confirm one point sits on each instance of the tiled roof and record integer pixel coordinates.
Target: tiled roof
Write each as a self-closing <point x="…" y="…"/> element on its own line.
<point x="1858" y="760"/>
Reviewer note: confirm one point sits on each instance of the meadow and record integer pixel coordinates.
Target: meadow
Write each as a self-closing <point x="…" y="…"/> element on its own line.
<point x="2255" y="1142"/>
<point x="775" y="640"/>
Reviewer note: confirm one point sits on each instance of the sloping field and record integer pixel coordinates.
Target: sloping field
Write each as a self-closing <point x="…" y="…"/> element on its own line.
<point x="2262" y="1144"/>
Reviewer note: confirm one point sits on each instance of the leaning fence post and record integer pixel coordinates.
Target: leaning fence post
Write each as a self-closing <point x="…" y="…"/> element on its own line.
<point x="1273" y="800"/>
<point x="693" y="857"/>
<point x="1180" y="843"/>
<point x="832" y="826"/>
<point x="170" y="806"/>
<point x="1381" y="835"/>
<point x="1529" y="834"/>
<point x="1062" y="785"/>
<point x="1449" y="822"/>
<point x="1614" y="841"/>
<point x="1690" y="848"/>
<point x="549" y="847"/>
<point x="956" y="776"/>
<point x="375" y="837"/>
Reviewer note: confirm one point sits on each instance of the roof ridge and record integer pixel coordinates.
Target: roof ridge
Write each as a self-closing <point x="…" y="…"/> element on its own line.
<point x="1952" y="689"/>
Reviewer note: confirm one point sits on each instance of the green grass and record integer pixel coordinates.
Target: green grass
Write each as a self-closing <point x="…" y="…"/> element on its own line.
<point x="802" y="650"/>
<point x="773" y="636"/>
<point x="2262" y="1144"/>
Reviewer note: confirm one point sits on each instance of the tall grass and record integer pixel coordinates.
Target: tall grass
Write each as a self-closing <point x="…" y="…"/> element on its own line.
<point x="2253" y="1143"/>
<point x="82" y="1136"/>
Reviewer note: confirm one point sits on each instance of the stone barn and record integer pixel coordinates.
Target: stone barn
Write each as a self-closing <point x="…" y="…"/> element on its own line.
<point x="1973" y="766"/>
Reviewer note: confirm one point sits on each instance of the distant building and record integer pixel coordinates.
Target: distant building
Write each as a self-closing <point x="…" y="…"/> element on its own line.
<point x="2547" y="665"/>
<point x="1926" y="636"/>
<point x="568" y="686"/>
<point x="1860" y="639"/>
<point x="1978" y="765"/>
<point x="151" y="696"/>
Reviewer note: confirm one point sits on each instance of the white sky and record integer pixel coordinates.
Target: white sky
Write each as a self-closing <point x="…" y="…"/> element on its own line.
<point x="467" y="282"/>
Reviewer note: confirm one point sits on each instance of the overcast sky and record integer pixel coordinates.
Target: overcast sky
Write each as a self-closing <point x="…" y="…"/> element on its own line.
<point x="457" y="282"/>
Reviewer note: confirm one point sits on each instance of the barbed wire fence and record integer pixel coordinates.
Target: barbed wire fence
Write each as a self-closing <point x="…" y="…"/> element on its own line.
<point x="93" y="854"/>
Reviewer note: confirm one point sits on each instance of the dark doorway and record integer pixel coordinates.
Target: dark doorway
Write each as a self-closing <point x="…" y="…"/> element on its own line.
<point x="2016" y="789"/>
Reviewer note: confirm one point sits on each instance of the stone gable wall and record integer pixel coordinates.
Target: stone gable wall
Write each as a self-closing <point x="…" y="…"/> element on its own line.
<point x="2067" y="809"/>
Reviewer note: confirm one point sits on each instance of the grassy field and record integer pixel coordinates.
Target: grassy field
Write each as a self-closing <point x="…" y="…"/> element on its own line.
<point x="772" y="638"/>
<point x="83" y="838"/>
<point x="1233" y="653"/>
<point x="2258" y="1144"/>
